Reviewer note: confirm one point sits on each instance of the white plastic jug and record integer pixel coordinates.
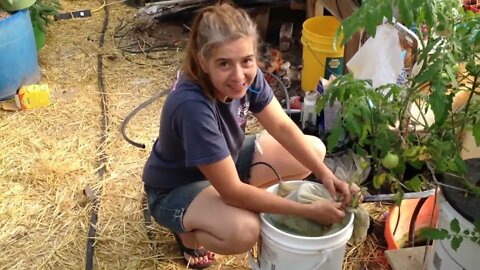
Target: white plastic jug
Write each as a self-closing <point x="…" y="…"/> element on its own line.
<point x="309" y="112"/>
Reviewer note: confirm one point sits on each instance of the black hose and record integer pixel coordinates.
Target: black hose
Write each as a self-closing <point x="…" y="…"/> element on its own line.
<point x="164" y="93"/>
<point x="102" y="160"/>
<point x="284" y="88"/>
<point x="268" y="165"/>
<point x="134" y="112"/>
<point x="413" y="221"/>
<point x="398" y="220"/>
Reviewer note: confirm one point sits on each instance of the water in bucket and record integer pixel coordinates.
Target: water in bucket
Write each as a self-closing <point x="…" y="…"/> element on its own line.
<point x="281" y="250"/>
<point x="320" y="57"/>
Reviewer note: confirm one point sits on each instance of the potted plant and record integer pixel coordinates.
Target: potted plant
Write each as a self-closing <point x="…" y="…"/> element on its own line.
<point x="407" y="150"/>
<point x="41" y="13"/>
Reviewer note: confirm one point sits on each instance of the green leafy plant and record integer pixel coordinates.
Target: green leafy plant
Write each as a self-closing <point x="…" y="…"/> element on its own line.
<point x="42" y="11"/>
<point x="380" y="122"/>
<point x="455" y="235"/>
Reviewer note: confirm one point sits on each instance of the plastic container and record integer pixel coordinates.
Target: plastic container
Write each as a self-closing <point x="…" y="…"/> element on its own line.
<point x="320" y="58"/>
<point x="443" y="256"/>
<point x="284" y="251"/>
<point x="309" y="109"/>
<point x="424" y="219"/>
<point x="453" y="204"/>
<point x="18" y="57"/>
<point x="33" y="96"/>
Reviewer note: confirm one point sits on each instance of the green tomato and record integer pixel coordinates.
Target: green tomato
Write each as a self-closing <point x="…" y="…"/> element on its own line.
<point x="412" y="152"/>
<point x="456" y="67"/>
<point x="390" y="161"/>
<point x="444" y="76"/>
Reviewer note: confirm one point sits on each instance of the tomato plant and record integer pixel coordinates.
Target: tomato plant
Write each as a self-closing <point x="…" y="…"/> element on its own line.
<point x="380" y="121"/>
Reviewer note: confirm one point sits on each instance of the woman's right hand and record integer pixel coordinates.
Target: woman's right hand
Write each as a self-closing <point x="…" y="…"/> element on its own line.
<point x="325" y="212"/>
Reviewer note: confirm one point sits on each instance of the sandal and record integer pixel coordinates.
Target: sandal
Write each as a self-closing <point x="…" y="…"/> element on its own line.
<point x="193" y="253"/>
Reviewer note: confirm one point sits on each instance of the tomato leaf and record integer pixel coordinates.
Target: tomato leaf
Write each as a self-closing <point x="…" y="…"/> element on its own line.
<point x="455" y="226"/>
<point x="434" y="234"/>
<point x="455" y="242"/>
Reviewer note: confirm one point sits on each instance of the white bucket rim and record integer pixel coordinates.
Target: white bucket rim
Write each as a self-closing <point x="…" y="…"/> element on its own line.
<point x="333" y="235"/>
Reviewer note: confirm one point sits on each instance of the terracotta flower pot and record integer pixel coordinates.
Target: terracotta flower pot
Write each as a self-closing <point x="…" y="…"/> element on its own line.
<point x="409" y="218"/>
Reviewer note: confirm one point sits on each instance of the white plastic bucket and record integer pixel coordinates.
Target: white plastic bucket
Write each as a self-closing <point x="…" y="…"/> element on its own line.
<point x="443" y="256"/>
<point x="284" y="251"/>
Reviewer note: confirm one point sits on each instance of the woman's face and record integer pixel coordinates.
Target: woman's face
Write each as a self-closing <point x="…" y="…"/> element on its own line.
<point x="231" y="67"/>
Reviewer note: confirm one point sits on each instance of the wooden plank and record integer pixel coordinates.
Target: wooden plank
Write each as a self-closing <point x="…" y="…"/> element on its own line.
<point x="406" y="258"/>
<point x="297" y="5"/>
<point x="314" y="8"/>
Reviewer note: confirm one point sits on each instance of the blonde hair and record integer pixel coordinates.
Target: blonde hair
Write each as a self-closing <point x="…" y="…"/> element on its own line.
<point x="213" y="26"/>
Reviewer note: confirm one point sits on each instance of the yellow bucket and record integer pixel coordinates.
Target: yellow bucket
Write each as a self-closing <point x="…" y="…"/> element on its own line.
<point x="320" y="58"/>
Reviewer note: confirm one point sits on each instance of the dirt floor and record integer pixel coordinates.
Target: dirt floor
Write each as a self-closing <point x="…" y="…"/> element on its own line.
<point x="49" y="155"/>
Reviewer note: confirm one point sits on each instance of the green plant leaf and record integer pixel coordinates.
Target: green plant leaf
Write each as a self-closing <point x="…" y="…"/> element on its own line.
<point x="360" y="151"/>
<point x="452" y="75"/>
<point x="349" y="26"/>
<point x="437" y="100"/>
<point x="335" y="134"/>
<point x="417" y="164"/>
<point x="42" y="11"/>
<point x="475" y="239"/>
<point x="472" y="68"/>
<point x="455" y="242"/>
<point x="371" y="23"/>
<point x="378" y="180"/>
<point x="428" y="74"/>
<point x="460" y="164"/>
<point x="405" y="11"/>
<point x="354" y="126"/>
<point x="398" y="197"/>
<point x="455" y="225"/>
<point x="476" y="133"/>
<point x="476" y="225"/>
<point x="414" y="184"/>
<point x="429" y="14"/>
<point x="434" y="234"/>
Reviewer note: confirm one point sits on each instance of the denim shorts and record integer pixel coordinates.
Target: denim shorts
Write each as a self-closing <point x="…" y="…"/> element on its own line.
<point x="168" y="207"/>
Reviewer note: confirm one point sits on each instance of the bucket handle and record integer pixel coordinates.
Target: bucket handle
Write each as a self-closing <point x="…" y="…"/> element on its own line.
<point x="325" y="254"/>
<point x="255" y="265"/>
<point x="320" y="62"/>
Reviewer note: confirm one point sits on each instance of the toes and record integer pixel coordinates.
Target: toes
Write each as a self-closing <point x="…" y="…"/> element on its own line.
<point x="199" y="260"/>
<point x="211" y="256"/>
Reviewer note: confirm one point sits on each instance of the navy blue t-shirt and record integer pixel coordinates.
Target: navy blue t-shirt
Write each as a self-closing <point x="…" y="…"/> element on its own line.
<point x="196" y="130"/>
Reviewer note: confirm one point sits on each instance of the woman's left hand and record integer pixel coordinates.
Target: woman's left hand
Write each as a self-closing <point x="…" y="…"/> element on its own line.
<point x="334" y="185"/>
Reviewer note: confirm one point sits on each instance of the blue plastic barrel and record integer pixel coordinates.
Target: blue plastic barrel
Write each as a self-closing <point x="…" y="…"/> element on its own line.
<point x="18" y="54"/>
